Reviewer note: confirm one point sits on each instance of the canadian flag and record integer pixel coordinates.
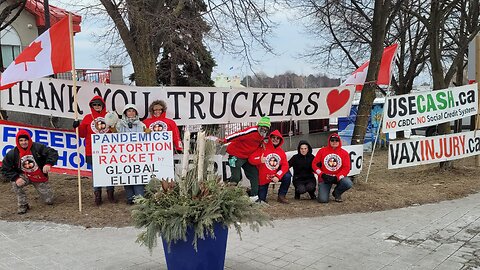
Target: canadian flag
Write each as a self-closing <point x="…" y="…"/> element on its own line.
<point x="48" y="54"/>
<point x="384" y="75"/>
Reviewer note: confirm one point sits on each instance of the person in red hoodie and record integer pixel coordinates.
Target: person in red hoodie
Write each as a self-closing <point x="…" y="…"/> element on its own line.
<point x="95" y="123"/>
<point x="29" y="163"/>
<point x="272" y="165"/>
<point x="158" y="121"/>
<point x="332" y="165"/>
<point x="242" y="145"/>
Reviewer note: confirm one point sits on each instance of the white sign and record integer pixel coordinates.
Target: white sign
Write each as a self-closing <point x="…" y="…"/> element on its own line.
<point x="429" y="108"/>
<point x="65" y="142"/>
<point x="406" y="153"/>
<point x="120" y="159"/>
<point x="186" y="105"/>
<point x="356" y="157"/>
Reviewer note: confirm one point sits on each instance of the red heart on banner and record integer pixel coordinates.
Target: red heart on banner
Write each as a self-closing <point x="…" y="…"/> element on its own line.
<point x="336" y="99"/>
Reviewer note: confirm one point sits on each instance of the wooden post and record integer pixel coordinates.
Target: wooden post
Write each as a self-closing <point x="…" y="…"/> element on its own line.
<point x="75" y="105"/>
<point x="201" y="154"/>
<point x="477" y="78"/>
<point x="186" y="150"/>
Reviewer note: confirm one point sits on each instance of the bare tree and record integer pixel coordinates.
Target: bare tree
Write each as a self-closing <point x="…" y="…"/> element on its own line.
<point x="143" y="27"/>
<point x="10" y="12"/>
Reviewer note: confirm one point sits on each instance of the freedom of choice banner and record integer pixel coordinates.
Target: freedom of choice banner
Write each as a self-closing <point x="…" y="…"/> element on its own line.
<point x="65" y="142"/>
<point x="120" y="159"/>
<point x="412" y="152"/>
<point x="186" y="105"/>
<point x="429" y="108"/>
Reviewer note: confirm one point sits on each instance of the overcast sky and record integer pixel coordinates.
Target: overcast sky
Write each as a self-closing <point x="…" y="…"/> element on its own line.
<point x="288" y="41"/>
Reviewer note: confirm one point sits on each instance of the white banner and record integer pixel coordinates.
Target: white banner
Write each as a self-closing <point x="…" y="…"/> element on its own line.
<point x="65" y="142"/>
<point x="412" y="152"/>
<point x="186" y="105"/>
<point x="430" y="108"/>
<point x="120" y="159"/>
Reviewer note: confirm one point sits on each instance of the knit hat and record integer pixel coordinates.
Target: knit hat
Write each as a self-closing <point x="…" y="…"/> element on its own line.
<point x="264" y="122"/>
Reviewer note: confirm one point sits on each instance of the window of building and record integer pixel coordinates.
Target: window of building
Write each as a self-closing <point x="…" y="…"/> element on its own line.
<point x="10" y="45"/>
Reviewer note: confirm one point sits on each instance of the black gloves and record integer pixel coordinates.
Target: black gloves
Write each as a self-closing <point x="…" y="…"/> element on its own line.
<point x="329" y="179"/>
<point x="76" y="123"/>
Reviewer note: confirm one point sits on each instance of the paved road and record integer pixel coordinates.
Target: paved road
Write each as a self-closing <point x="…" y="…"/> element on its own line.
<point x="437" y="236"/>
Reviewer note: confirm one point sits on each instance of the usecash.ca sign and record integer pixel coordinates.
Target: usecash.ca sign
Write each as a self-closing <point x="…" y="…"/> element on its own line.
<point x="413" y="152"/>
<point x="65" y="142"/>
<point x="186" y="105"/>
<point x="121" y="159"/>
<point x="430" y="108"/>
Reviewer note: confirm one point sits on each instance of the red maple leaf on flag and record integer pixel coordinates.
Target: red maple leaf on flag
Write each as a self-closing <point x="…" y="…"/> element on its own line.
<point x="29" y="54"/>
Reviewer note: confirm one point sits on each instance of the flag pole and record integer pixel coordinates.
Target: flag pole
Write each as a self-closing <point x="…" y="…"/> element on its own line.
<point x="75" y="105"/>
<point x="381" y="118"/>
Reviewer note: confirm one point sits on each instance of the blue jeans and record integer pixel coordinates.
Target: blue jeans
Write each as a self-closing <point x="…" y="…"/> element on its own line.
<point x="282" y="190"/>
<point x="324" y="189"/>
<point x="134" y="190"/>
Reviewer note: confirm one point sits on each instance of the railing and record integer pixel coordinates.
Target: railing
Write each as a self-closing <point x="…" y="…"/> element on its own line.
<point x="88" y="75"/>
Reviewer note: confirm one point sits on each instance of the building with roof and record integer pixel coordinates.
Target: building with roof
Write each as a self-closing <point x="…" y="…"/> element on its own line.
<point x="28" y="26"/>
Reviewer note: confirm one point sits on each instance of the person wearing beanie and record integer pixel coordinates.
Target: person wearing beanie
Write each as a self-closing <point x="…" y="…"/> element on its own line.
<point x="241" y="145"/>
<point x="95" y="123"/>
<point x="29" y="163"/>
<point x="130" y="122"/>
<point x="332" y="165"/>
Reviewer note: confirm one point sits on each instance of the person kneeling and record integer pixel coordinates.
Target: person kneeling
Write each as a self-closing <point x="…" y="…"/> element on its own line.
<point x="29" y="163"/>
<point x="332" y="165"/>
<point x="272" y="165"/>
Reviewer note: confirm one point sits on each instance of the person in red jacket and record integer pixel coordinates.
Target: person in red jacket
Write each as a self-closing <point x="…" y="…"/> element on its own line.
<point x="242" y="144"/>
<point x="332" y="165"/>
<point x="94" y="123"/>
<point x="272" y="166"/>
<point x="158" y="121"/>
<point x="29" y="163"/>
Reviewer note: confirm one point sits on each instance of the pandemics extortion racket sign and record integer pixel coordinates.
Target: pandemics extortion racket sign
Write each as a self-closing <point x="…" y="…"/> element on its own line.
<point x="131" y="158"/>
<point x="186" y="105"/>
<point x="412" y="152"/>
<point x="430" y="108"/>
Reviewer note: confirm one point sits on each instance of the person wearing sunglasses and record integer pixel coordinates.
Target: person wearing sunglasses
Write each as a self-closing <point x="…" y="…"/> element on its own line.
<point x="241" y="145"/>
<point x="332" y="165"/>
<point x="272" y="166"/>
<point x="94" y="123"/>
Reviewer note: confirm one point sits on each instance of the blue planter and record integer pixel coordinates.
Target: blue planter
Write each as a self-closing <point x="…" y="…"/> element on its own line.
<point x="210" y="254"/>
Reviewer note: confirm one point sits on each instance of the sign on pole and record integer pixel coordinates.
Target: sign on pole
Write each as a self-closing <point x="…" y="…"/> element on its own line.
<point x="412" y="152"/>
<point x="405" y="112"/>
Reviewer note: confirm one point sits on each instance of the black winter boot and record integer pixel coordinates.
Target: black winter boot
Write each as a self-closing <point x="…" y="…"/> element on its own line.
<point x="111" y="196"/>
<point x="98" y="197"/>
<point x="312" y="195"/>
<point x="297" y="196"/>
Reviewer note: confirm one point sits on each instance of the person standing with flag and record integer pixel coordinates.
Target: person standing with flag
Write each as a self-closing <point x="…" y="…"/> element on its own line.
<point x="94" y="123"/>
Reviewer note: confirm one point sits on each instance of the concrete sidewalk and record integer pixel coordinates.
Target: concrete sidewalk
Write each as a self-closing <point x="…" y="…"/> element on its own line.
<point x="437" y="236"/>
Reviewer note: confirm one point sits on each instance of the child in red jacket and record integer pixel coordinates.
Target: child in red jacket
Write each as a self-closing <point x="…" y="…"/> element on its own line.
<point x="332" y="165"/>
